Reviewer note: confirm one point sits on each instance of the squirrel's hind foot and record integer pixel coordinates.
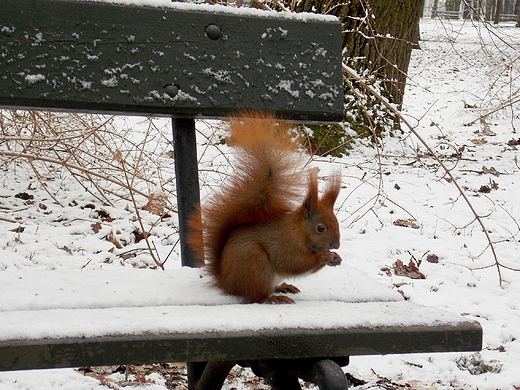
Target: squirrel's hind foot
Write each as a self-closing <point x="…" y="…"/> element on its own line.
<point x="285" y="288"/>
<point x="278" y="299"/>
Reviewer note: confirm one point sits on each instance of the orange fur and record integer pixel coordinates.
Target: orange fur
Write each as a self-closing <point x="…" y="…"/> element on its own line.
<point x="260" y="226"/>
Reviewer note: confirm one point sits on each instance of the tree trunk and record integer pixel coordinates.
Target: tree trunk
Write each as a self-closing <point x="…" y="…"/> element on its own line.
<point x="498" y="11"/>
<point x="378" y="37"/>
<point x="434" y="7"/>
<point x="517" y="12"/>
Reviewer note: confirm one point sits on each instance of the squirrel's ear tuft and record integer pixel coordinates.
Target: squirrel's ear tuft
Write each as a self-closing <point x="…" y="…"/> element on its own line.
<point x="332" y="190"/>
<point x="311" y="201"/>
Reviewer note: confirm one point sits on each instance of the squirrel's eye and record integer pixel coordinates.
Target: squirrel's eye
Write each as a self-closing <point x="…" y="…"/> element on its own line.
<point x="320" y="229"/>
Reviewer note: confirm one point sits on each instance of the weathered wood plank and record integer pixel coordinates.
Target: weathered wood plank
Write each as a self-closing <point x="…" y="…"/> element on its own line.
<point x="269" y="344"/>
<point x="184" y="60"/>
<point x="108" y="317"/>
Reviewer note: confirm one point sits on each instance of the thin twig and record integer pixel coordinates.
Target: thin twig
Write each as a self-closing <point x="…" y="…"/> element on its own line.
<point x="160" y="264"/>
<point x="434" y="155"/>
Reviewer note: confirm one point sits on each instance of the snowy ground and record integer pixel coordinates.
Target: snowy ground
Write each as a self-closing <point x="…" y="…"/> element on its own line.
<point x="397" y="204"/>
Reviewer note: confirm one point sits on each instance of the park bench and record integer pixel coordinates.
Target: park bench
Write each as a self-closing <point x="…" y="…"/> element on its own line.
<point x="185" y="62"/>
<point x="508" y="18"/>
<point x="447" y="14"/>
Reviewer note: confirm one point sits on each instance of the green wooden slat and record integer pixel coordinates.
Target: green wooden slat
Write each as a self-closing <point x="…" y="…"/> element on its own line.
<point x="274" y="344"/>
<point x="103" y="57"/>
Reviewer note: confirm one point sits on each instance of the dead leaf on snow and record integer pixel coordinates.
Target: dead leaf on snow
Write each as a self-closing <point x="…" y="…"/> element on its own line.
<point x="157" y="203"/>
<point x="24" y="196"/>
<point x="491" y="171"/>
<point x="387" y="271"/>
<point x="112" y="238"/>
<point x="67" y="249"/>
<point x="102" y="214"/>
<point x="410" y="271"/>
<point x="406" y="223"/>
<point x="96" y="227"/>
<point x="486" y="189"/>
<point x="19" y="229"/>
<point x="386" y="383"/>
<point x="479" y="141"/>
<point x="140" y="235"/>
<point x="432" y="258"/>
<point x="173" y="374"/>
<point x="355" y="381"/>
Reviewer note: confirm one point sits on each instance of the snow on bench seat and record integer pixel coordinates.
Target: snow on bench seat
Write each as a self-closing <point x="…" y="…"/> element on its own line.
<point x="312" y="315"/>
<point x="69" y="318"/>
<point x="128" y="287"/>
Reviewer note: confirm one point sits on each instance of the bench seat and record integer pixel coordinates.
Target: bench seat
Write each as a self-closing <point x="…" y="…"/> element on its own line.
<point x="77" y="318"/>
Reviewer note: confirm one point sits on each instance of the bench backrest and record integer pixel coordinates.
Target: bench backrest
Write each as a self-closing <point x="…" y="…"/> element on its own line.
<point x="176" y="59"/>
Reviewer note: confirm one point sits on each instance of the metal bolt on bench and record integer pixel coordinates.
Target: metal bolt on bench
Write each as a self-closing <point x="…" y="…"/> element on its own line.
<point x="185" y="62"/>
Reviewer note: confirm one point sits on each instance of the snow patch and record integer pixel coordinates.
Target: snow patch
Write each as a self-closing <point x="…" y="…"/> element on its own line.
<point x="31" y="79"/>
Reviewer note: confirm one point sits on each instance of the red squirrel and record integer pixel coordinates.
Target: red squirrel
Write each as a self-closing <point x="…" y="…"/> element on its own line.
<point x="259" y="229"/>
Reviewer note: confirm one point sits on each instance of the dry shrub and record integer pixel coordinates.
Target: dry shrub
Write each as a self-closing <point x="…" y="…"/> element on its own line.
<point x="110" y="157"/>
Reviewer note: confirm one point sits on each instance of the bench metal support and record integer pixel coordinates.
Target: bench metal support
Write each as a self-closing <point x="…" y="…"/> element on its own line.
<point x="208" y="375"/>
<point x="187" y="182"/>
<point x="281" y="374"/>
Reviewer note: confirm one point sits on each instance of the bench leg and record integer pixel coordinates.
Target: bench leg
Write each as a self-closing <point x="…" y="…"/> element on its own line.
<point x="208" y="375"/>
<point x="327" y="374"/>
<point x="194" y="371"/>
<point x="187" y="181"/>
<point x="280" y="380"/>
<point x="283" y="374"/>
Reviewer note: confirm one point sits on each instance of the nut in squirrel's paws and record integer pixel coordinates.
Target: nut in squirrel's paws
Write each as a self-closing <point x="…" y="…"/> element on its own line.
<point x="331" y="258"/>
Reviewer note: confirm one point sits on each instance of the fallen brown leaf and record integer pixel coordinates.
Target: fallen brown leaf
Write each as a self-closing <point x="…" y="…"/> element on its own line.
<point x="112" y="238"/>
<point x="96" y="227"/>
<point x="24" y="196"/>
<point x="406" y="223"/>
<point x="19" y="229"/>
<point x="410" y="271"/>
<point x="156" y="204"/>
<point x="432" y="258"/>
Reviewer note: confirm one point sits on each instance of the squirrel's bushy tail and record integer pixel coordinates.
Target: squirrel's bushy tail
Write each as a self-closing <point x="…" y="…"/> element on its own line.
<point x="268" y="172"/>
<point x="267" y="182"/>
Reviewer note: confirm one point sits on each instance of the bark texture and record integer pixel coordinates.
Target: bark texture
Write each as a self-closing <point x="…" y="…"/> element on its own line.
<point x="378" y="37"/>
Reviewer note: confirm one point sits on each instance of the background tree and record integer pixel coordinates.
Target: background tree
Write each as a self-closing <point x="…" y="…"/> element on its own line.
<point x="498" y="11"/>
<point x="517" y="11"/>
<point x="378" y="38"/>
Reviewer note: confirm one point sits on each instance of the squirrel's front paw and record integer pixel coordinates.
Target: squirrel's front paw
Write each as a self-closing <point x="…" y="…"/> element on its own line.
<point x="331" y="258"/>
